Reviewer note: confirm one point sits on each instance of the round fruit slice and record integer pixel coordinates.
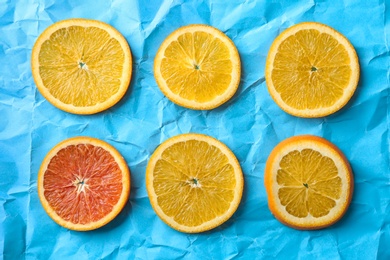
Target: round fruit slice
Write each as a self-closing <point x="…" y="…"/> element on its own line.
<point x="309" y="182"/>
<point x="198" y="67"/>
<point x="81" y="66"/>
<point x="311" y="70"/>
<point x="194" y="182"/>
<point x="83" y="183"/>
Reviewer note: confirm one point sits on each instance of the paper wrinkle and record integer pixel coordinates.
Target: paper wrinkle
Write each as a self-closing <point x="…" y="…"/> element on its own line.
<point x="155" y="23"/>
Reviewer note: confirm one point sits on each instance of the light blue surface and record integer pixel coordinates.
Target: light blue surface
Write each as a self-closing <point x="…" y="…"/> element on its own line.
<point x="251" y="124"/>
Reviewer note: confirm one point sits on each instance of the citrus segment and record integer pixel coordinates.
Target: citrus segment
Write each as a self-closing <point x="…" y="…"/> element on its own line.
<point x="198" y="67"/>
<point x="309" y="182"/>
<point x="81" y="66"/>
<point x="194" y="182"/>
<point x="83" y="183"/>
<point x="311" y="70"/>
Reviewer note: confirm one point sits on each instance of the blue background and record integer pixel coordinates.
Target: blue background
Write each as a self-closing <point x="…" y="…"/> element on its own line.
<point x="251" y="124"/>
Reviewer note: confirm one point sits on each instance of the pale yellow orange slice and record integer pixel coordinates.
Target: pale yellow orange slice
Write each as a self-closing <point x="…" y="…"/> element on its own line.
<point x="311" y="70"/>
<point x="194" y="182"/>
<point x="198" y="67"/>
<point x="81" y="66"/>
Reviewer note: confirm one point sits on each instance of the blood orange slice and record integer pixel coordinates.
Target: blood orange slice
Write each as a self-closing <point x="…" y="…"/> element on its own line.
<point x="83" y="183"/>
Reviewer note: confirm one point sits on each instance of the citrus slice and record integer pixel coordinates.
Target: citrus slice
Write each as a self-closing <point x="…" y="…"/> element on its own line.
<point x="198" y="67"/>
<point x="309" y="182"/>
<point x="83" y="183"/>
<point x="194" y="182"/>
<point x="81" y="66"/>
<point x="311" y="70"/>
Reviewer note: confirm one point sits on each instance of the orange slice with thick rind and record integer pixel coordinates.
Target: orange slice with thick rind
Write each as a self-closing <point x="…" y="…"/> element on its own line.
<point x="309" y="182"/>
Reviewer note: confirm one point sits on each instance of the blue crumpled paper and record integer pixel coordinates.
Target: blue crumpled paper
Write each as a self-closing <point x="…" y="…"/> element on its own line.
<point x="251" y="124"/>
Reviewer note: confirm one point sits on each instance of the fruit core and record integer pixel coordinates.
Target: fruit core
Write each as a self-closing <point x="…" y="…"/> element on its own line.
<point x="82" y="65"/>
<point x="194" y="183"/>
<point x="80" y="184"/>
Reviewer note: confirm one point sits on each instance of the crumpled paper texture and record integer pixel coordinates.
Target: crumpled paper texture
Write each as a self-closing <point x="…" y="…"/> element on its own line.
<point x="251" y="124"/>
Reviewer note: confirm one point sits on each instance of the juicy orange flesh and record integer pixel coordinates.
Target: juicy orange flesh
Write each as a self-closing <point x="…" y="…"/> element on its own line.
<point x="81" y="66"/>
<point x="309" y="183"/>
<point x="311" y="70"/>
<point x="82" y="183"/>
<point x="197" y="66"/>
<point x="194" y="182"/>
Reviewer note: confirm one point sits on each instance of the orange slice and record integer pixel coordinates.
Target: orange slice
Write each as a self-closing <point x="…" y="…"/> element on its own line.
<point x="309" y="182"/>
<point x="83" y="183"/>
<point x="311" y="70"/>
<point x="194" y="182"/>
<point x="81" y="66"/>
<point x="198" y="67"/>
